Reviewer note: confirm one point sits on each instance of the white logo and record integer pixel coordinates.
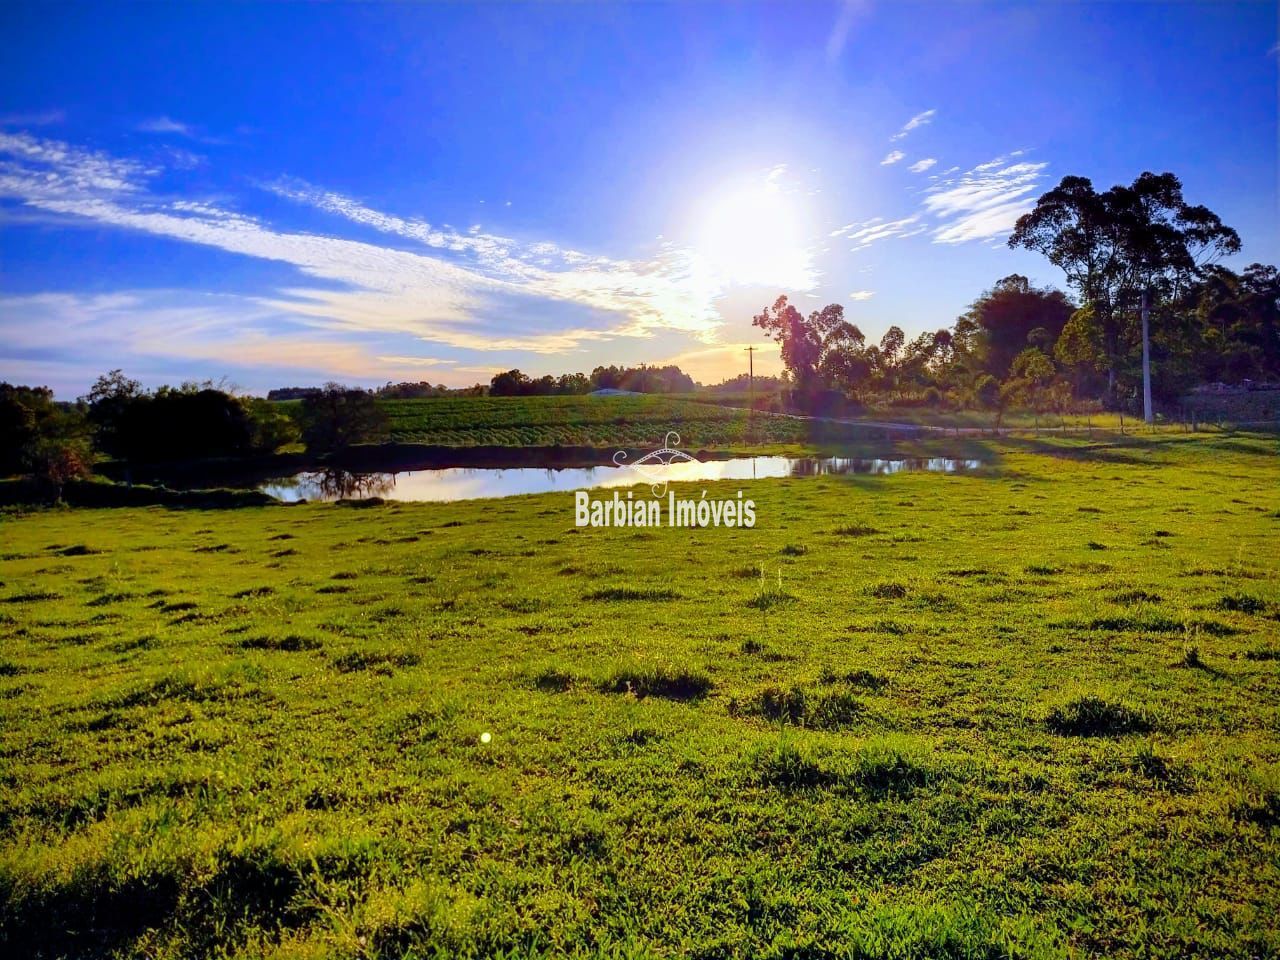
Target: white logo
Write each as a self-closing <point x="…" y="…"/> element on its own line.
<point x="650" y="465"/>
<point x="655" y="468"/>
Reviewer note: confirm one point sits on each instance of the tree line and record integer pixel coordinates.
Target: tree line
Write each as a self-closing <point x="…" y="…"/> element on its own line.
<point x="516" y="383"/>
<point x="641" y="379"/>
<point x="55" y="443"/>
<point x="1016" y="345"/>
<point x="1019" y="344"/>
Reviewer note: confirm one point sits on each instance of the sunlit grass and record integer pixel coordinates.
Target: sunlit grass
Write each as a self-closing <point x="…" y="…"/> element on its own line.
<point x="905" y="716"/>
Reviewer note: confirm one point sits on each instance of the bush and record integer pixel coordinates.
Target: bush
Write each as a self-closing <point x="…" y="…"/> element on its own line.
<point x="55" y="463"/>
<point x="337" y="417"/>
<point x="272" y="428"/>
<point x="35" y="432"/>
<point x="174" y="423"/>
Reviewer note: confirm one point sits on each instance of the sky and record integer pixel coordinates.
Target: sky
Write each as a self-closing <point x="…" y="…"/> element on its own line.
<point x="284" y="195"/>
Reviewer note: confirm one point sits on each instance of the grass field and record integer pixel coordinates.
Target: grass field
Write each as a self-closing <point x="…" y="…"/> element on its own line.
<point x="1028" y="712"/>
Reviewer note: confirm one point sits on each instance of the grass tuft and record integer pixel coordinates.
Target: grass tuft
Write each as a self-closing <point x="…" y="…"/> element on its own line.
<point x="292" y="643"/>
<point x="660" y="680"/>
<point x="383" y="663"/>
<point x="855" y="530"/>
<point x="795" y="705"/>
<point x="888" y="591"/>
<point x="552" y="680"/>
<point x="626" y="594"/>
<point x="1130" y="598"/>
<point x="1092" y="716"/>
<point x="1241" y="603"/>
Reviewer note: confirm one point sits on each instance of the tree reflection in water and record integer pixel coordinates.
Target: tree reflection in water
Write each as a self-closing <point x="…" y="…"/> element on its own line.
<point x="334" y="484"/>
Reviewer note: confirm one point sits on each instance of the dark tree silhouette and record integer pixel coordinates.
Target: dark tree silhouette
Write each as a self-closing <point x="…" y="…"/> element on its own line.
<point x="1113" y="245"/>
<point x="1006" y="317"/>
<point x="338" y="417"/>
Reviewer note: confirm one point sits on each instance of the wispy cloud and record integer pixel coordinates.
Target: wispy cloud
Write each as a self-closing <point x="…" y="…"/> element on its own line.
<point x="919" y="120"/>
<point x="876" y="229"/>
<point x="985" y="201"/>
<point x="659" y="292"/>
<point x="850" y="12"/>
<point x="166" y="125"/>
<point x="920" y="166"/>
<point x="44" y="118"/>
<point x="417" y="361"/>
<point x="859" y="295"/>
<point x="893" y="157"/>
<point x="35" y="169"/>
<point x="184" y="159"/>
<point x="166" y="331"/>
<point x="459" y="290"/>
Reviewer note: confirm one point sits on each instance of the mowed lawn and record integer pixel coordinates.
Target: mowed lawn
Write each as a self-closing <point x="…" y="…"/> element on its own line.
<point x="1033" y="711"/>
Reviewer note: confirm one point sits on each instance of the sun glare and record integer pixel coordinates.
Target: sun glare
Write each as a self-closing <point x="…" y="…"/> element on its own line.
<point x="751" y="233"/>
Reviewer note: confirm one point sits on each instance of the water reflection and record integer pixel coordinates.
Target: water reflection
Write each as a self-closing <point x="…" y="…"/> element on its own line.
<point x="335" y="485"/>
<point x="469" y="483"/>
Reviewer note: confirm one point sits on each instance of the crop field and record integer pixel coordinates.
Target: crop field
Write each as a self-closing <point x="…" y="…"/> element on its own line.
<point x="712" y="422"/>
<point x="637" y="421"/>
<point x="1028" y="711"/>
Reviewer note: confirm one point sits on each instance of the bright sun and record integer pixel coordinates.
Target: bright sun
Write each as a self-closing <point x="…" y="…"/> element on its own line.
<point x="750" y="233"/>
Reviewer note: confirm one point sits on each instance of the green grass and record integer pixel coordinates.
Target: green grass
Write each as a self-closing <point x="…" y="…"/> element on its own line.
<point x="963" y="733"/>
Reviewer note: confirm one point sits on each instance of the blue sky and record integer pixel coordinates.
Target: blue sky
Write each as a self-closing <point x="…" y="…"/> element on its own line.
<point x="286" y="194"/>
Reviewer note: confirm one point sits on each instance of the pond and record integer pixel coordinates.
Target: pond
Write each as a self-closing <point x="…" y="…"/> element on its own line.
<point x="470" y="483"/>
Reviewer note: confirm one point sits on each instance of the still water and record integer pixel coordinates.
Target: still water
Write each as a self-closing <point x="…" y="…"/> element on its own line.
<point x="469" y="483"/>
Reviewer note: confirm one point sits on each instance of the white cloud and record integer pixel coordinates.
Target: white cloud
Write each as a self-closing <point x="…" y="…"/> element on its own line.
<point x="166" y="125"/>
<point x="50" y="169"/>
<point x="920" y="166"/>
<point x="459" y="292"/>
<point x="985" y="201"/>
<point x="919" y="120"/>
<point x="878" y="229"/>
<point x="893" y="157"/>
<point x="655" y="293"/>
<point x="184" y="159"/>
<point x="859" y="295"/>
<point x="991" y="164"/>
<point x="166" y="330"/>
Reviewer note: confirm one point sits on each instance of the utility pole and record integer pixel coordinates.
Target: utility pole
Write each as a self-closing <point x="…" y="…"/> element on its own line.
<point x="751" y="378"/>
<point x="1146" y="357"/>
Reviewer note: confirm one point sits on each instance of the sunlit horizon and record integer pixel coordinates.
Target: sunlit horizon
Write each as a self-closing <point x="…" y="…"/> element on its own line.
<point x="486" y="212"/>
